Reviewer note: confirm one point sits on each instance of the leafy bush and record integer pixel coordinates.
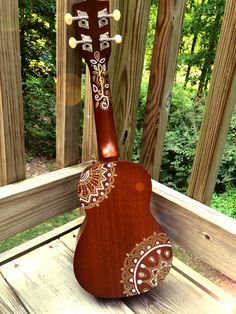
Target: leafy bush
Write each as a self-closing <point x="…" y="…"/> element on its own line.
<point x="227" y="172"/>
<point x="181" y="138"/>
<point x="225" y="202"/>
<point x="39" y="115"/>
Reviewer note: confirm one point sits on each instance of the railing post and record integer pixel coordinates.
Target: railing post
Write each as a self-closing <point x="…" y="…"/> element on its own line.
<point x="127" y="68"/>
<point x="163" y="69"/>
<point x="219" y="108"/>
<point x="12" y="166"/>
<point x="89" y="143"/>
<point x="68" y="90"/>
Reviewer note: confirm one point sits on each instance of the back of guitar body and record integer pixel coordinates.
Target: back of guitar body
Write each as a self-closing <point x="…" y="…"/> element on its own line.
<point x="122" y="250"/>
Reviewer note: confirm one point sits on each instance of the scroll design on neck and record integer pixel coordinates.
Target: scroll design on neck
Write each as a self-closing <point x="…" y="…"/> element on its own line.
<point x="100" y="82"/>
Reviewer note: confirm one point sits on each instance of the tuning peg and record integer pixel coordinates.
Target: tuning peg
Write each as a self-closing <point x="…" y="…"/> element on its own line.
<point x="116" y="15"/>
<point x="85" y="40"/>
<point x="69" y="18"/>
<point x="73" y="42"/>
<point x="105" y="37"/>
<point x="117" y="39"/>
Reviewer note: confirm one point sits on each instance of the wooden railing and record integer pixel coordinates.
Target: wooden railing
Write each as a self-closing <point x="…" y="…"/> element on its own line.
<point x="126" y="73"/>
<point x="205" y="232"/>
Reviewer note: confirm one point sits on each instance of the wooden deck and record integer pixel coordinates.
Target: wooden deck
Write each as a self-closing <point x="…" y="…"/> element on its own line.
<point x="37" y="277"/>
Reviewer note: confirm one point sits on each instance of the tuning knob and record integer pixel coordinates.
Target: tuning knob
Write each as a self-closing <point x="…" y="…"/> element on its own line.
<point x="85" y="40"/>
<point x="117" y="39"/>
<point x="73" y="42"/>
<point x="69" y="18"/>
<point x="116" y="15"/>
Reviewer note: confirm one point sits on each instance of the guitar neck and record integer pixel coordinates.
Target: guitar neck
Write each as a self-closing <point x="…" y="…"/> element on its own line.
<point x="104" y="120"/>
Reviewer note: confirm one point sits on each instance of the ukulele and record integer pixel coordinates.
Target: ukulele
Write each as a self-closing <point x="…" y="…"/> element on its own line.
<point x="121" y="250"/>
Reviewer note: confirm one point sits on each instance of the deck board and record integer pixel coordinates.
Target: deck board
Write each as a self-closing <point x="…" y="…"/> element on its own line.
<point x="9" y="303"/>
<point x="44" y="282"/>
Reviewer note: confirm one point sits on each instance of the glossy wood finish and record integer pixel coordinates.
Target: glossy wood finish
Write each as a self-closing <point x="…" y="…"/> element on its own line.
<point x="113" y="230"/>
<point x="130" y="253"/>
<point x="106" y="133"/>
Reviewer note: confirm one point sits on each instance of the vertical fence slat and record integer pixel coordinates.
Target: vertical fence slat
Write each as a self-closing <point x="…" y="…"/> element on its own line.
<point x="89" y="144"/>
<point x="12" y="166"/>
<point x="127" y="65"/>
<point x="219" y="107"/>
<point x="68" y="90"/>
<point x="165" y="52"/>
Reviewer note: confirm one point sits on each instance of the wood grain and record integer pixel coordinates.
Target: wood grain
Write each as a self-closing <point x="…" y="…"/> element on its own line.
<point x="9" y="303"/>
<point x="205" y="284"/>
<point x="12" y="166"/>
<point x="175" y="295"/>
<point x="182" y="291"/>
<point x="89" y="142"/>
<point x="126" y="69"/>
<point x="68" y="90"/>
<point x="163" y="69"/>
<point x="205" y="232"/>
<point x="51" y="277"/>
<point x="219" y="108"/>
<point x="30" y="202"/>
<point x="33" y="244"/>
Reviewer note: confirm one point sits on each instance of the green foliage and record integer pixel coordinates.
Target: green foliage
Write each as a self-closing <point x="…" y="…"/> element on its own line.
<point x="37" y="37"/>
<point x="202" y="25"/>
<point x="39" y="115"/>
<point x="181" y="137"/>
<point x="225" y="202"/>
<point x="227" y="172"/>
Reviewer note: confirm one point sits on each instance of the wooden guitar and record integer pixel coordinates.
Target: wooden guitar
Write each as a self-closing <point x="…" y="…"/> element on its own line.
<point x="121" y="251"/>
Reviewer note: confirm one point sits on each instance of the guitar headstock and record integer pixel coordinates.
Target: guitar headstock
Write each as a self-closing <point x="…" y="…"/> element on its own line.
<point x="92" y="19"/>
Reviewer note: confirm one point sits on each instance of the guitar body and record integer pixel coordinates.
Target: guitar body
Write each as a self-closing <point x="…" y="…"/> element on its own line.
<point x="121" y="250"/>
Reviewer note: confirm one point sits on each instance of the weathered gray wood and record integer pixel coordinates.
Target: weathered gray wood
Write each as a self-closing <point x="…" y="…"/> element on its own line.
<point x="47" y="273"/>
<point x="9" y="303"/>
<point x="30" y="202"/>
<point x="220" y="103"/>
<point x="205" y="232"/>
<point x="163" y="69"/>
<point x="12" y="165"/>
<point x="206" y="285"/>
<point x="68" y="90"/>
<point x="175" y="295"/>
<point x="40" y="241"/>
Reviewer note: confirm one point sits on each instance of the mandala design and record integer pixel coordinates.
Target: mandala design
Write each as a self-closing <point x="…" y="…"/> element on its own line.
<point x="95" y="184"/>
<point x="147" y="264"/>
<point x="101" y="86"/>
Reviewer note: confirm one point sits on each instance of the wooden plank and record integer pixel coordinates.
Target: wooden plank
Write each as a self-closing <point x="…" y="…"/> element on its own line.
<point x="205" y="284"/>
<point x="227" y="302"/>
<point x="163" y="68"/>
<point x="219" y="108"/>
<point x="9" y="303"/>
<point x="12" y="166"/>
<point x="41" y="240"/>
<point x="51" y="277"/>
<point x="68" y="90"/>
<point x="30" y="202"/>
<point x="175" y="295"/>
<point x="206" y="233"/>
<point x="126" y="69"/>
<point x="89" y="143"/>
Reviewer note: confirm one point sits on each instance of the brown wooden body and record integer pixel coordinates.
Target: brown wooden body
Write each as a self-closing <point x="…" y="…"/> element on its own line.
<point x="122" y="250"/>
<point x="119" y="231"/>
